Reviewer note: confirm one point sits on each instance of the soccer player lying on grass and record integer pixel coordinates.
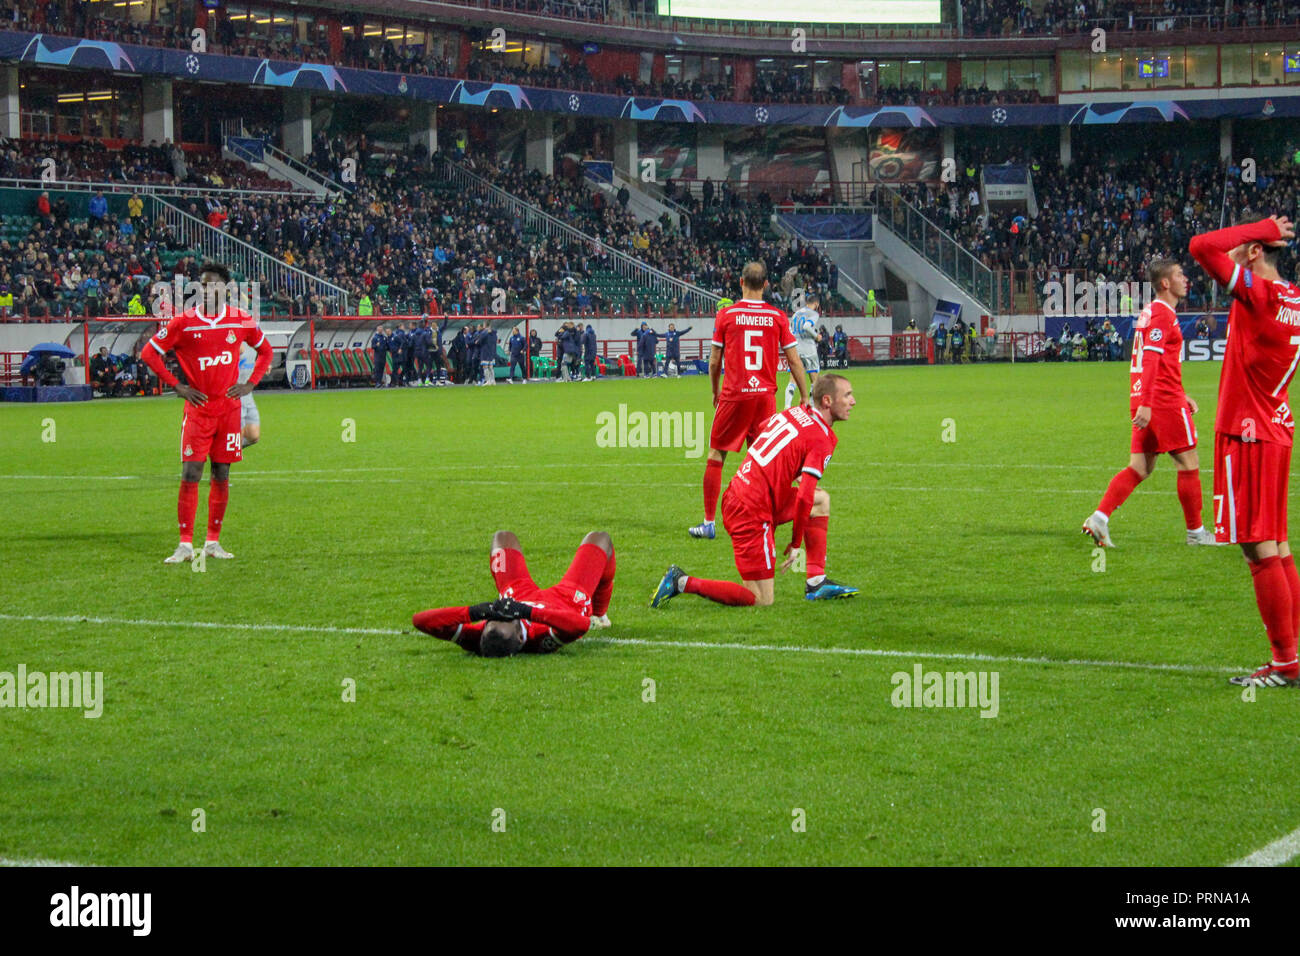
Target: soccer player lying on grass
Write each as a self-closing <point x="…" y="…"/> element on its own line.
<point x="1160" y="410"/>
<point x="795" y="443"/>
<point x="525" y="618"/>
<point x="1254" y="429"/>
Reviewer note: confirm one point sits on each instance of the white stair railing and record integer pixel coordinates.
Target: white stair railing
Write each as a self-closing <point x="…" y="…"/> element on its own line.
<point x="624" y="265"/>
<point x="245" y="258"/>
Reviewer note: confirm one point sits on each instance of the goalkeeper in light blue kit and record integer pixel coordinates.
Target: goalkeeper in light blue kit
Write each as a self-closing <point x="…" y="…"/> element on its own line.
<point x="249" y="419"/>
<point x="803" y="326"/>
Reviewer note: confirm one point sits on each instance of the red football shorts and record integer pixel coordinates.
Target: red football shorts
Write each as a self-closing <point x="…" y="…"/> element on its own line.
<point x="215" y="436"/>
<point x="1250" y="488"/>
<point x="1170" y="429"/>
<point x="512" y="578"/>
<point x="753" y="535"/>
<point x="738" y="422"/>
<point x="510" y="574"/>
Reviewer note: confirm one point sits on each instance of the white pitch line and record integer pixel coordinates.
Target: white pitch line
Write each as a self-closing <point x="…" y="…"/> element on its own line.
<point x="205" y="625"/>
<point x="10" y="861"/>
<point x="1278" y="852"/>
<point x="641" y="642"/>
<point x="254" y="477"/>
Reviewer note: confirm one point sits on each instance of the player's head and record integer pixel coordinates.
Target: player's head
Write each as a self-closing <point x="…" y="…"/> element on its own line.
<point x="1252" y="255"/>
<point x="833" y="395"/>
<point x="812" y="301"/>
<point x="215" y="279"/>
<point x="501" y="639"/>
<point x="1167" y="278"/>
<point x="753" y="279"/>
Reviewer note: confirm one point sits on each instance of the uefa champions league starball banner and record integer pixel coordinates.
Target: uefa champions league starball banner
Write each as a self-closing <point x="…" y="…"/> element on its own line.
<point x="45" y="49"/>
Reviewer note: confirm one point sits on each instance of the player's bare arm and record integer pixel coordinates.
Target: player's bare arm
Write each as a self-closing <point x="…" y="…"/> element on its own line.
<point x="715" y="372"/>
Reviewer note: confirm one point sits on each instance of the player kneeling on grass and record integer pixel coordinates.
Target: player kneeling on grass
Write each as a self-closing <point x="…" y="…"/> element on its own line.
<point x="206" y="343"/>
<point x="1161" y="411"/>
<point x="1254" y="428"/>
<point x="795" y="443"/>
<point x="525" y="618"/>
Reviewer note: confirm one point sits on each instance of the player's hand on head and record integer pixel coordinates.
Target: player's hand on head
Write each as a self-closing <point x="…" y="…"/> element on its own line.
<point x="1285" y="228"/>
<point x="508" y="609"/>
<point x="481" y="612"/>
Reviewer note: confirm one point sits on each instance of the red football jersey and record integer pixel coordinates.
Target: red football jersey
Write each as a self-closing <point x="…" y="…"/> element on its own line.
<point x="752" y="336"/>
<point x="794" y="441"/>
<point x="1259" y="360"/>
<point x="208" y="352"/>
<point x="1156" y="334"/>
<point x="1263" y="338"/>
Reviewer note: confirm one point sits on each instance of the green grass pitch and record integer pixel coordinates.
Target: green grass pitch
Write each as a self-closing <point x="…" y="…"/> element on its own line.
<point x="966" y="547"/>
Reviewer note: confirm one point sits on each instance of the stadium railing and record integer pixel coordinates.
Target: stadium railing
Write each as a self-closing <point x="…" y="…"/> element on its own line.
<point x="244" y="258"/>
<point x="621" y="263"/>
<point x="942" y="250"/>
<point x="146" y="189"/>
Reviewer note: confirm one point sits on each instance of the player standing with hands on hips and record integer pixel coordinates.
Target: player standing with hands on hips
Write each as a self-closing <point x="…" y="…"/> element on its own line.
<point x="1254" y="428"/>
<point x="750" y="335"/>
<point x="206" y="344"/>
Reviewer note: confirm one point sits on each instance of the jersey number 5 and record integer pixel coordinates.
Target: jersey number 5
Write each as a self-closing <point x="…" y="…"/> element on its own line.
<point x="753" y="350"/>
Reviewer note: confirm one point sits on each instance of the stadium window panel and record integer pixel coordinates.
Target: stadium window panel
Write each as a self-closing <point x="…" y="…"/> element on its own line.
<point x="972" y="73"/>
<point x="1173" y="56"/>
<point x="1106" y="71"/>
<point x="1075" y="69"/>
<point x="1236" y="65"/>
<point x="1135" y="69"/>
<point x="1044" y="77"/>
<point x="913" y="73"/>
<point x="867" y="79"/>
<point x="1202" y="66"/>
<point x="997" y="73"/>
<point x="826" y="73"/>
<point x="1268" y="59"/>
<point x="889" y="73"/>
<point x="936" y="74"/>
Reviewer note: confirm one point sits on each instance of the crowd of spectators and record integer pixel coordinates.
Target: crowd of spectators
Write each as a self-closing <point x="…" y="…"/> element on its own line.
<point x="724" y="232"/>
<point x="992" y="18"/>
<point x="166" y="164"/>
<point x="101" y="265"/>
<point x="1104" y="218"/>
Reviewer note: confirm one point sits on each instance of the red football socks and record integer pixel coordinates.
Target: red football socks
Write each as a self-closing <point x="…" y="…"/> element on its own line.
<point x="604" y="590"/>
<point x="1117" y="492"/>
<point x="1293" y="580"/>
<point x="721" y="592"/>
<point x="1189" y="496"/>
<point x="712" y="487"/>
<point x="1273" y="595"/>
<point x="218" y="495"/>
<point x="814" y="540"/>
<point x="187" y="503"/>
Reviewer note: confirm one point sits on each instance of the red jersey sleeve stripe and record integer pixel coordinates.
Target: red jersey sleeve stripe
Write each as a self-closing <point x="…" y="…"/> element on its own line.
<point x="1232" y="280"/>
<point x="812" y="471"/>
<point x="156" y="348"/>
